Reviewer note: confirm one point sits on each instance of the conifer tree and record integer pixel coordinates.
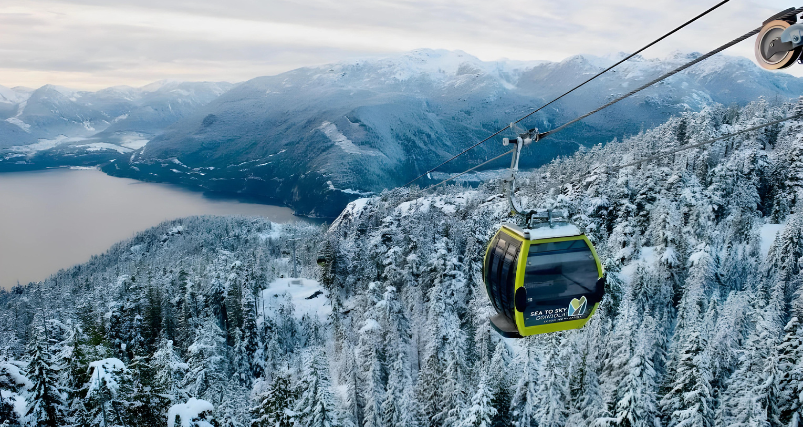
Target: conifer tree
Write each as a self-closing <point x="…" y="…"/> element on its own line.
<point x="141" y="402"/>
<point x="250" y="335"/>
<point x="428" y="389"/>
<point x="499" y="382"/>
<point x="481" y="411"/>
<point x="790" y="365"/>
<point x="689" y="398"/>
<point x="8" y="414"/>
<point x="315" y="406"/>
<point x="350" y="377"/>
<point x="552" y="385"/>
<point x="207" y="360"/>
<point x="399" y="407"/>
<point x="752" y="393"/>
<point x="525" y="396"/>
<point x="168" y="370"/>
<point x="372" y="372"/>
<point x="636" y="405"/>
<point x="274" y="406"/>
<point x="45" y="404"/>
<point x="76" y="378"/>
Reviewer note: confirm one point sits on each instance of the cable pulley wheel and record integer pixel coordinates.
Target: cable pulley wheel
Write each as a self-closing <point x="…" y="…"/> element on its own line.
<point x="769" y="35"/>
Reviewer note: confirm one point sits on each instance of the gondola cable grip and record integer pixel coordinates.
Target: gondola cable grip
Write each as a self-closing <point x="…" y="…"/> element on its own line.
<point x="523" y="139"/>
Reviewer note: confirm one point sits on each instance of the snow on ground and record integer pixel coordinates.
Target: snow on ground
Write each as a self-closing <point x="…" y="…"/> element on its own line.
<point x="134" y="144"/>
<point x="99" y="146"/>
<point x="768" y="233"/>
<point x="120" y="117"/>
<point x="178" y="162"/>
<point x="358" y="204"/>
<point x="307" y="295"/>
<point x="348" y="190"/>
<point x="8" y="96"/>
<point x="20" y="405"/>
<point x="330" y="130"/>
<point x="13" y="371"/>
<point x="106" y="369"/>
<point x="646" y="257"/>
<point x="187" y="411"/>
<point x="276" y="232"/>
<point x="345" y="144"/>
<point x="44" y="144"/>
<point x="370" y="325"/>
<point x="353" y="209"/>
<point x="448" y="204"/>
<point x="15" y="121"/>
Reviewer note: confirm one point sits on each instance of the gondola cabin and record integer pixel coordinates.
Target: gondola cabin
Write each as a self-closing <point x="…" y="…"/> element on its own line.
<point x="541" y="280"/>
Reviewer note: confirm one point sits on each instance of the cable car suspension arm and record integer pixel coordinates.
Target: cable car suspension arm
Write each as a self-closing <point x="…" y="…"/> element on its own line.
<point x="523" y="139"/>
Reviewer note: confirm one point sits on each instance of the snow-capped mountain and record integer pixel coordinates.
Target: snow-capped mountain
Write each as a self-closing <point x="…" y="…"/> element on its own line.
<point x="108" y="116"/>
<point x="337" y="131"/>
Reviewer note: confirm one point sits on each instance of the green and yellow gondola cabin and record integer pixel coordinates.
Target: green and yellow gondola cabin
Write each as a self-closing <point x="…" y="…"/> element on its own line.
<point x="542" y="280"/>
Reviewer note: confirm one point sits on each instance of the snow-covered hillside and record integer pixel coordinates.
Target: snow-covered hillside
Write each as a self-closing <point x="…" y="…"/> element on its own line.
<point x="699" y="325"/>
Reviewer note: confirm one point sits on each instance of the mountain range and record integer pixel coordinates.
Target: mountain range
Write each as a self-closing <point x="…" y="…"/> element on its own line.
<point x="316" y="138"/>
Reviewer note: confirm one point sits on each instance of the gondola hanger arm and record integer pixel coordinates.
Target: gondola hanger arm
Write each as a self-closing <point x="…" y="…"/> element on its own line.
<point x="523" y="139"/>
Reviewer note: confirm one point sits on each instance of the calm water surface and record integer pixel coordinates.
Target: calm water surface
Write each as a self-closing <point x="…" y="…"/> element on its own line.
<point x="55" y="219"/>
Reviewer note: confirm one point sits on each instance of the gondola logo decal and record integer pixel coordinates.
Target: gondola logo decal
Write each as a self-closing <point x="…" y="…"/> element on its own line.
<point x="578" y="306"/>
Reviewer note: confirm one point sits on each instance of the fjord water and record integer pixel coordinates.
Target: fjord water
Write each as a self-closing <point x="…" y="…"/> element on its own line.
<point x="55" y="219"/>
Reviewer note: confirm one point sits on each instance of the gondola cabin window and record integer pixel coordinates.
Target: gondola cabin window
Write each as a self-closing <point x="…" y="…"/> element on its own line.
<point x="556" y="274"/>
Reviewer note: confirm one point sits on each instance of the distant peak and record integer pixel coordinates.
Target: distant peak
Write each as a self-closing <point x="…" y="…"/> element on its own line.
<point x="67" y="92"/>
<point x="678" y="55"/>
<point x="160" y="84"/>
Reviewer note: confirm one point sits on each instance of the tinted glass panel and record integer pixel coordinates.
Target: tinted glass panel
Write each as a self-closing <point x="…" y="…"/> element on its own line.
<point x="500" y="273"/>
<point x="560" y="269"/>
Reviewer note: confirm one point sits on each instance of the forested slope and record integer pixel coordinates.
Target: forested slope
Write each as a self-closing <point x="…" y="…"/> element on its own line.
<point x="700" y="324"/>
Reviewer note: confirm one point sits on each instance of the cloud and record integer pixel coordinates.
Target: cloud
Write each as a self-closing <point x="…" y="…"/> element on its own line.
<point x="93" y="44"/>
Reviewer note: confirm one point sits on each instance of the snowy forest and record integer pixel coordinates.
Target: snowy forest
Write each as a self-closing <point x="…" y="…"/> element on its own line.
<point x="381" y="319"/>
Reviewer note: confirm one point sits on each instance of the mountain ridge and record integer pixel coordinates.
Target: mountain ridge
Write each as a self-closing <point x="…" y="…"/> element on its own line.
<point x="357" y="127"/>
<point x="416" y="110"/>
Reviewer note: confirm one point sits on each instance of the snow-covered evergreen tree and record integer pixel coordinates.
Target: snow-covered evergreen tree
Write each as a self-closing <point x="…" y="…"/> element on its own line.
<point x="480" y="412"/>
<point x="207" y="362"/>
<point x="315" y="406"/>
<point x="45" y="404"/>
<point x="274" y="406"/>
<point x="168" y="370"/>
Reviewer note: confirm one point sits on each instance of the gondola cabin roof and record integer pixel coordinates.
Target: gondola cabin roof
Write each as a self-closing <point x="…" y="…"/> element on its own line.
<point x="545" y="232"/>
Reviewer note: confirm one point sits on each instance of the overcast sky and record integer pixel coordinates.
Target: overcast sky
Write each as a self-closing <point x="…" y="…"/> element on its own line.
<point x="92" y="44"/>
